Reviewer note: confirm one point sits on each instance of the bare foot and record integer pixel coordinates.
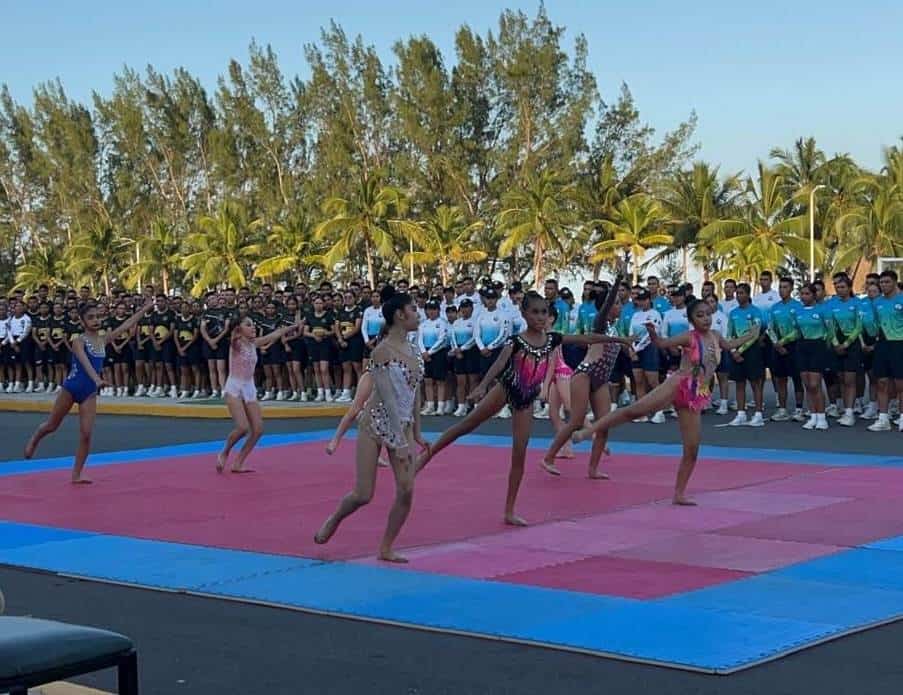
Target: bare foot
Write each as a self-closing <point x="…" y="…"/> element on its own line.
<point x="514" y="520"/>
<point x="683" y="501"/>
<point x="391" y="556"/>
<point x="581" y="435"/>
<point x="382" y="462"/>
<point x="241" y="469"/>
<point x="549" y="467"/>
<point x="332" y="446"/>
<point x="82" y="481"/>
<point x="598" y="475"/>
<point x="326" y="531"/>
<point x="221" y="459"/>
<point x="30" y="447"/>
<point x="565" y="453"/>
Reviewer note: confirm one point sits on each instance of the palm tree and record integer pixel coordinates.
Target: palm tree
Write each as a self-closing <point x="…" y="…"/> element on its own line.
<point x="448" y="242"/>
<point x="596" y="196"/>
<point x="373" y="218"/>
<point x="43" y="266"/>
<point x="157" y="256"/>
<point x="799" y="167"/>
<point x="538" y="215"/>
<point x="224" y="249"/>
<point x="636" y="226"/>
<point x="872" y="229"/>
<point x="693" y="198"/>
<point x="96" y="252"/>
<point x="766" y="224"/>
<point x="288" y="247"/>
<point x="741" y="262"/>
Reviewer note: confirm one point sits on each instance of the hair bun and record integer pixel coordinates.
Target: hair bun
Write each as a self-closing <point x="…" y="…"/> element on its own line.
<point x="386" y="293"/>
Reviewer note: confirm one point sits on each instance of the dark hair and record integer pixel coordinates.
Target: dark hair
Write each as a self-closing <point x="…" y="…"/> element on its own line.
<point x="785" y="278"/>
<point x="810" y="286"/>
<point x="841" y="277"/>
<point x="392" y="302"/>
<point x="818" y="283"/>
<point x="765" y="274"/>
<point x="691" y="307"/>
<point x="713" y="296"/>
<point x="745" y="287"/>
<point x="731" y="280"/>
<point x="872" y="276"/>
<point x="85" y="308"/>
<point x="531" y="296"/>
<point x="553" y="312"/>
<point x="892" y="274"/>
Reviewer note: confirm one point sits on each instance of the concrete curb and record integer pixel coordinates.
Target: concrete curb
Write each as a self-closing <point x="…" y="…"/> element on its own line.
<point x="155" y="408"/>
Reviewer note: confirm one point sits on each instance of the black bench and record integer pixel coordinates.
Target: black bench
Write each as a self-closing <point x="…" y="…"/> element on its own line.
<point x="36" y="652"/>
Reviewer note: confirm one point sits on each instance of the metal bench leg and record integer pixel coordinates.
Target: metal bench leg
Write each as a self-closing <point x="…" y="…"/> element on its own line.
<point x="128" y="674"/>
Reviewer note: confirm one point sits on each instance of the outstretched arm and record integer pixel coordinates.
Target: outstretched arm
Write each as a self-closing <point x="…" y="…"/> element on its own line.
<point x="129" y="323"/>
<point x="78" y="349"/>
<point x="265" y="341"/>
<point x="493" y="372"/>
<point x="682" y="340"/>
<point x="592" y="338"/>
<point x="730" y="344"/>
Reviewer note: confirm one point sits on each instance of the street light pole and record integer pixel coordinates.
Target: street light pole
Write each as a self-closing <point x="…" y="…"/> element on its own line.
<point x="812" y="232"/>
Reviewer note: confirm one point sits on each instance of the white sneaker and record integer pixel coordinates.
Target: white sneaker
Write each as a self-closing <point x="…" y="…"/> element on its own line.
<point x="304" y="397"/>
<point x="461" y="411"/>
<point x="732" y="406"/>
<point x="505" y="412"/>
<point x="810" y="423"/>
<point x="10" y="387"/>
<point x="449" y="408"/>
<point x="882" y="424"/>
<point x="757" y="420"/>
<point x="544" y="413"/>
<point x="740" y="419"/>
<point x="624" y="399"/>
<point x="832" y="410"/>
<point x="428" y="409"/>
<point x="173" y="392"/>
<point x="658" y="418"/>
<point x="20" y="387"/>
<point x="847" y="420"/>
<point x="330" y="396"/>
<point x="821" y="423"/>
<point x="267" y="395"/>
<point x="894" y="408"/>
<point x="780" y="415"/>
<point x="140" y="391"/>
<point x="280" y="396"/>
<point x="722" y="408"/>
<point x="799" y="415"/>
<point x="39" y="388"/>
<point x="216" y="393"/>
<point x="870" y="412"/>
<point x="640" y="420"/>
<point x="857" y="407"/>
<point x="671" y="412"/>
<point x="30" y="387"/>
<point x="58" y="388"/>
<point x="345" y="396"/>
<point x="321" y="396"/>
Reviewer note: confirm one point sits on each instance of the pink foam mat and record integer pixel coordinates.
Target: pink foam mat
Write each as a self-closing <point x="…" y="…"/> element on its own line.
<point x="728" y="552"/>
<point x="619" y="537"/>
<point x="626" y="577"/>
<point x="846" y="524"/>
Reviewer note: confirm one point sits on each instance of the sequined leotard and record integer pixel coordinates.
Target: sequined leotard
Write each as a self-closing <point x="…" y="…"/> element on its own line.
<point x="600" y="358"/>
<point x="526" y="370"/>
<point x="693" y="388"/>
<point x="390" y="410"/>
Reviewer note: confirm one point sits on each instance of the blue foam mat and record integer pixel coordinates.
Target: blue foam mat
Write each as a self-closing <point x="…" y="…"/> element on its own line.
<point x="16" y="535"/>
<point x="860" y="567"/>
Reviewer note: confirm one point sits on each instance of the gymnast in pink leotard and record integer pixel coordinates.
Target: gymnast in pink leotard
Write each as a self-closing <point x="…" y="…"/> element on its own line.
<point x="687" y="389"/>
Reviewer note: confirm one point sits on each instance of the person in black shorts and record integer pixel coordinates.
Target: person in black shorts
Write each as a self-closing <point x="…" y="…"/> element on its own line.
<point x="296" y="354"/>
<point x="120" y="350"/>
<point x="215" y="350"/>
<point x="144" y="354"/>
<point x="61" y="357"/>
<point x="351" y="344"/>
<point x="319" y="328"/>
<point x="164" y="350"/>
<point x="188" y="351"/>
<point x="42" y="355"/>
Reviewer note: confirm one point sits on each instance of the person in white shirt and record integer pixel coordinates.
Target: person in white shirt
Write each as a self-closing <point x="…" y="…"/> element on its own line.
<point x="372" y="323"/>
<point x="432" y="340"/>
<point x="644" y="354"/>
<point x="4" y="350"/>
<point x="729" y="301"/>
<point x="493" y="328"/>
<point x="767" y="297"/>
<point x="719" y="325"/>
<point x="19" y="330"/>
<point x="466" y="354"/>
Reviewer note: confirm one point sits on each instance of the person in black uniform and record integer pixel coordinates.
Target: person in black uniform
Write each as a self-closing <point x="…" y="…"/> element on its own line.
<point x="318" y="331"/>
<point x="120" y="349"/>
<point x="144" y="354"/>
<point x="188" y="351"/>
<point x="163" y="322"/>
<point x="42" y="354"/>
<point x="351" y="344"/>
<point x="58" y="347"/>
<point x="215" y="350"/>
<point x="272" y="356"/>
<point x="296" y="353"/>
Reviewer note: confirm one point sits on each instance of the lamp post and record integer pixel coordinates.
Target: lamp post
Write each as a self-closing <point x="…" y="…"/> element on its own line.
<point x="812" y="232"/>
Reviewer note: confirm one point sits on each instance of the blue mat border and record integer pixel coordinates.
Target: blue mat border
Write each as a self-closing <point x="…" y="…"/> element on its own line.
<point x="815" y="458"/>
<point x="726" y="635"/>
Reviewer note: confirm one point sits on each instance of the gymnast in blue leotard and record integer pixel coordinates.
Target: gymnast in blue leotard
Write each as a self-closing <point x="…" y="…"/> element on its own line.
<point x="85" y="377"/>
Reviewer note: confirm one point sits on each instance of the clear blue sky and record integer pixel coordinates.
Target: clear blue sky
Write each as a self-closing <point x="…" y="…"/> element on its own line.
<point x="758" y="74"/>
